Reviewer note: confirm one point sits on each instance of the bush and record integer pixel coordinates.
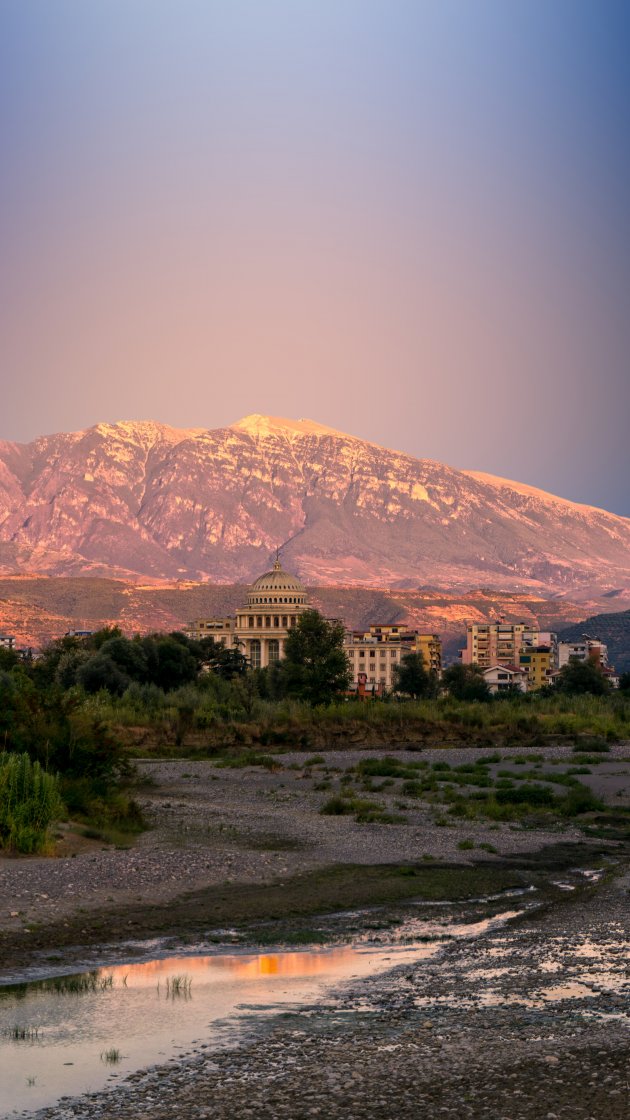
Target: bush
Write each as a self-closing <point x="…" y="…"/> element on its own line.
<point x="29" y="802"/>
<point x="589" y="743"/>
<point x="525" y="795"/>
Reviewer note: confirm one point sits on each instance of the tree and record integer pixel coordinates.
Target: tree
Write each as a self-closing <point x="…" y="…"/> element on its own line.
<point x="466" y="682"/>
<point x="315" y="667"/>
<point x="412" y="678"/>
<point x="101" y="672"/>
<point x="219" y="659"/>
<point x="579" y="677"/>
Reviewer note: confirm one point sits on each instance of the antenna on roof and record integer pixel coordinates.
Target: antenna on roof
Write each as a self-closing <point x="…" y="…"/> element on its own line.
<point x="276" y="562"/>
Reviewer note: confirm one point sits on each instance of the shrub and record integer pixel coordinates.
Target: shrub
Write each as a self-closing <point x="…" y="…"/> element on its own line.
<point x="525" y="795"/>
<point x="590" y="743"/>
<point x="29" y="803"/>
<point x="579" y="799"/>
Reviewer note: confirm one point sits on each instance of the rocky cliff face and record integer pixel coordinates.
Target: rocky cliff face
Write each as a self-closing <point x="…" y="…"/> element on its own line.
<point x="142" y="500"/>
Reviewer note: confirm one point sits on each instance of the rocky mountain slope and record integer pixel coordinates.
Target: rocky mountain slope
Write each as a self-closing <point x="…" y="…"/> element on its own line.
<point x="145" y="501"/>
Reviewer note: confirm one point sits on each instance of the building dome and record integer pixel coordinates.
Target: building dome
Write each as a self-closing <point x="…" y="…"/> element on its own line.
<point x="278" y="587"/>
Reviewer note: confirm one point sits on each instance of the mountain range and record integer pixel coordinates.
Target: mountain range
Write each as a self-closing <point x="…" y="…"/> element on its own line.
<point x="142" y="501"/>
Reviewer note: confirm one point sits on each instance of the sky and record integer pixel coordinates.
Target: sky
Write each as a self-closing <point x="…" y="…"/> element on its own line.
<point x="405" y="219"/>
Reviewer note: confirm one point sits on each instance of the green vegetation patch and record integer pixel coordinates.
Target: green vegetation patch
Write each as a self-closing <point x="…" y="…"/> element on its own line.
<point x="29" y="803"/>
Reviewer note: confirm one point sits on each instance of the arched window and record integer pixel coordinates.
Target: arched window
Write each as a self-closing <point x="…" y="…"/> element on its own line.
<point x="254" y="654"/>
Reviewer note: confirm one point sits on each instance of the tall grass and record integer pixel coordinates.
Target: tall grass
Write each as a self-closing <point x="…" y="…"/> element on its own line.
<point x="29" y="803"/>
<point x="216" y="718"/>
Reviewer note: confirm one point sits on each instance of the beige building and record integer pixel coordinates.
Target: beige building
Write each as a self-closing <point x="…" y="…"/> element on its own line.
<point x="260" y="628"/>
<point x="374" y="654"/>
<point x="501" y="643"/>
<point x="586" y="650"/>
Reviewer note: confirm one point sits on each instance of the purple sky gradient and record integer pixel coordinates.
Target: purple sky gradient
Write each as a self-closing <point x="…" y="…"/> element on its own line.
<point x="405" y="220"/>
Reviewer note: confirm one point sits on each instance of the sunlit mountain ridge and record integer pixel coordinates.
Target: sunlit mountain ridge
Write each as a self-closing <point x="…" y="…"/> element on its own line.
<point x="142" y="500"/>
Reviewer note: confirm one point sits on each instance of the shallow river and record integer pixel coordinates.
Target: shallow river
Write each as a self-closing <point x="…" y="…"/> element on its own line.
<point x="67" y="1035"/>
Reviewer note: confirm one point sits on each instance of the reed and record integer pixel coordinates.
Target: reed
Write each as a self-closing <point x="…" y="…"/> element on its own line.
<point x="29" y="803"/>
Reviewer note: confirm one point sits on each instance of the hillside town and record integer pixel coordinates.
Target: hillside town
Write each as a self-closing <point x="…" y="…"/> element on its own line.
<point x="511" y="656"/>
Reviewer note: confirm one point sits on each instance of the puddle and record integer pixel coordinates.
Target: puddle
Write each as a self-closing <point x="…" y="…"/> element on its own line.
<point x="68" y="1035"/>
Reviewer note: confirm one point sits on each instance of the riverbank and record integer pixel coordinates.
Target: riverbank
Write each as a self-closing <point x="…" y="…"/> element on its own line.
<point x="499" y="1028"/>
<point x="240" y="845"/>
<point x="528" y="1021"/>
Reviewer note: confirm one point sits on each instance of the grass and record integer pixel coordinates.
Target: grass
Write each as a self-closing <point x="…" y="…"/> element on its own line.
<point x="178" y="987"/>
<point x="467" y="791"/>
<point x="29" y="803"/>
<point x="528" y="721"/>
<point x="111" y="1056"/>
<point x="363" y="811"/>
<point x="87" y="982"/>
<point x="21" y="1034"/>
<point x="250" y="758"/>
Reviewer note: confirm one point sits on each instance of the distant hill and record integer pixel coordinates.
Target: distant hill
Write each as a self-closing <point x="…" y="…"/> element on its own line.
<point x="138" y="500"/>
<point x="37" y="609"/>
<point x="613" y="629"/>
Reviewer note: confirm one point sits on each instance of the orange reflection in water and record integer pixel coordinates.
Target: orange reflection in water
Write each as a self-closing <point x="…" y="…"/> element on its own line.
<point x="233" y="967"/>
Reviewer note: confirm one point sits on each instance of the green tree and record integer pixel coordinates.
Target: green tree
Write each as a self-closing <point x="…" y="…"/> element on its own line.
<point x="100" y="671"/>
<point x="315" y="667"/>
<point x="412" y="678"/>
<point x="465" y="682"/>
<point x="579" y="677"/>
<point x="226" y="663"/>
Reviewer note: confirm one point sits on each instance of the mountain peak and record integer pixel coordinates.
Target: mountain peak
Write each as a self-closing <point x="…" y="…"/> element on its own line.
<point x="138" y="498"/>
<point x="257" y="425"/>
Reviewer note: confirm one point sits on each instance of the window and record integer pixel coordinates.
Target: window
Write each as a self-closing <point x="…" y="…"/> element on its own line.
<point x="254" y="654"/>
<point x="251" y="622"/>
<point x="274" y="651"/>
<point x="276" y="620"/>
<point x="268" y="621"/>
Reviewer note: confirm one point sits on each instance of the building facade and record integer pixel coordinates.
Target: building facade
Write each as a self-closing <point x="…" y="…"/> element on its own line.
<point x="374" y="654"/>
<point x="586" y="650"/>
<point x="504" y="678"/>
<point x="504" y="643"/>
<point x="259" y="629"/>
<point x="539" y="662"/>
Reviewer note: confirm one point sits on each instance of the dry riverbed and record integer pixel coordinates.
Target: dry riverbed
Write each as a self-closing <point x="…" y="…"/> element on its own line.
<point x="505" y="1025"/>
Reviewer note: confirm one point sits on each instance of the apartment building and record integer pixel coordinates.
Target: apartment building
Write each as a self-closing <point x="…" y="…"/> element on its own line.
<point x="539" y="663"/>
<point x="374" y="654"/>
<point x="587" y="649"/>
<point x="501" y="643"/>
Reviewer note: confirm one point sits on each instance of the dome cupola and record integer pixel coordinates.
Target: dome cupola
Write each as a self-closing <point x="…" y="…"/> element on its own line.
<point x="277" y="587"/>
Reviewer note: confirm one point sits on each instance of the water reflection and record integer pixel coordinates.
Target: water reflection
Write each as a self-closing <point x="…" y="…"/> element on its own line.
<point x="151" y="1011"/>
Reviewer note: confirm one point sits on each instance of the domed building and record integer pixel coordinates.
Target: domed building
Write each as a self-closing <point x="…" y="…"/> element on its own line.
<point x="259" y="630"/>
<point x="274" y="603"/>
